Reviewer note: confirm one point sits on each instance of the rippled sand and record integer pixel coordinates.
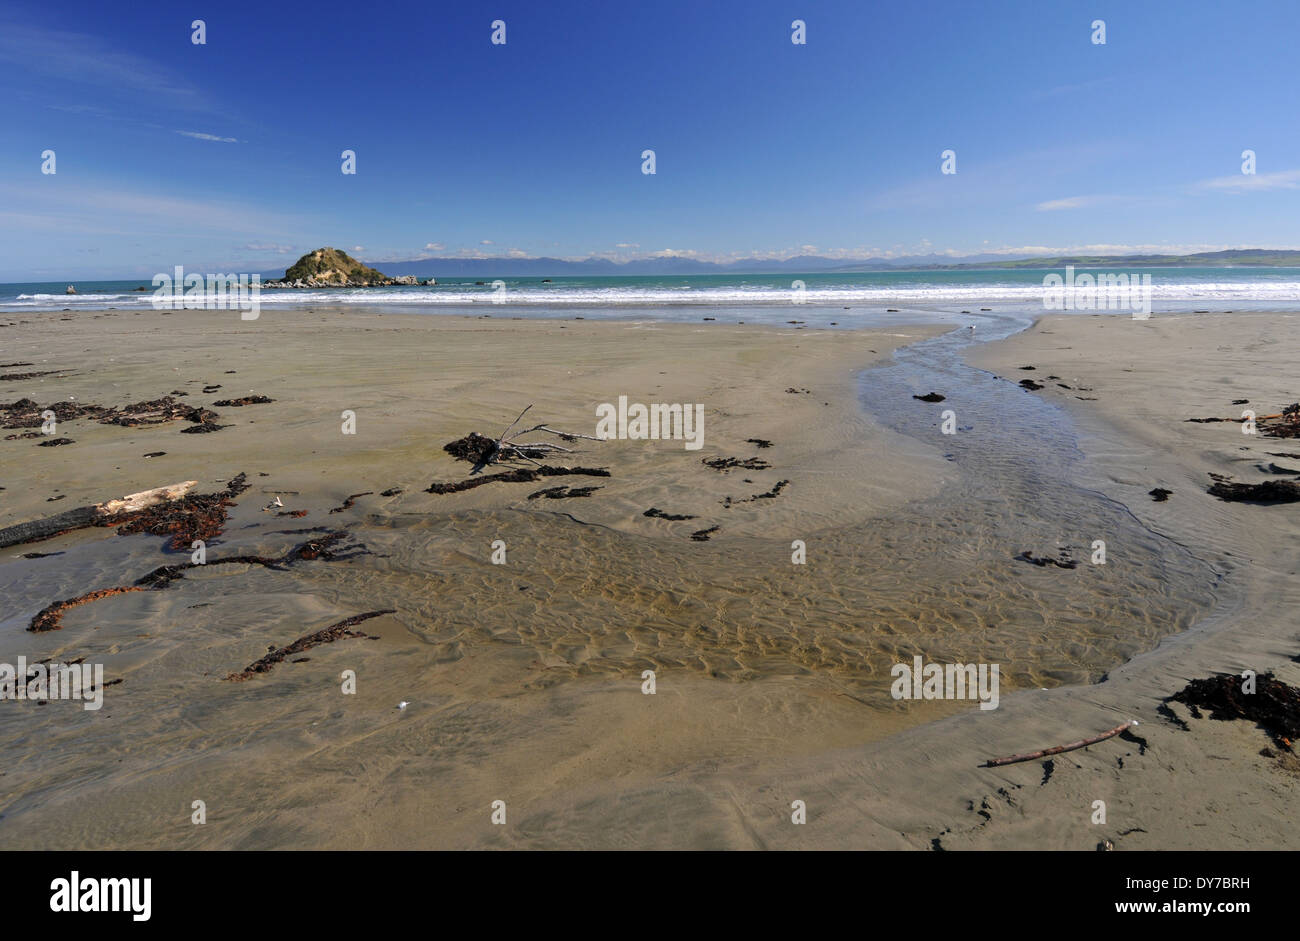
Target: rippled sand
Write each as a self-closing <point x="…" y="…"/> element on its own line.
<point x="524" y="679"/>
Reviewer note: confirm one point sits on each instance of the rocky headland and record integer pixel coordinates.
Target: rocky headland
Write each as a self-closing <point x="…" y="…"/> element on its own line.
<point x="332" y="268"/>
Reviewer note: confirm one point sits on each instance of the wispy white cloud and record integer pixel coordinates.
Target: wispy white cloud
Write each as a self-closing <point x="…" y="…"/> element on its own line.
<point x="1236" y="183"/>
<point x="1250" y="183"/>
<point x="198" y="135"/>
<point x="1073" y="202"/>
<point x="1078" y="88"/>
<point x="439" y="252"/>
<point x="990" y="181"/>
<point x="97" y="208"/>
<point x="61" y="56"/>
<point x="92" y="110"/>
<point x="1115" y="248"/>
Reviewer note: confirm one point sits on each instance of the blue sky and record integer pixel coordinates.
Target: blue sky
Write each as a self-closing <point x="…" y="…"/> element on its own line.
<point x="227" y="155"/>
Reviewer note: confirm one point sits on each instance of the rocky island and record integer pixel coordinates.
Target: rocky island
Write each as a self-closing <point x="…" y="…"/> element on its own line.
<point x="332" y="268"/>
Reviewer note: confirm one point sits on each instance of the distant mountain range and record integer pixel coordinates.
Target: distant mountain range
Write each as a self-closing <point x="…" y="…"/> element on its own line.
<point x="806" y="264"/>
<point x="1242" y="257"/>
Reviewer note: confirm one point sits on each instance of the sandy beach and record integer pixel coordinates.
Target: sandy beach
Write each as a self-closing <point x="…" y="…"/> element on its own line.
<point x="523" y="681"/>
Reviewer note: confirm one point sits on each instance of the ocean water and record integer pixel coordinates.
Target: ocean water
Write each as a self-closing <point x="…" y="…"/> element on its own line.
<point x="764" y="298"/>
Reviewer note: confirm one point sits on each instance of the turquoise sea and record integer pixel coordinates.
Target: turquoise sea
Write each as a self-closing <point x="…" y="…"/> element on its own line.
<point x="815" y="296"/>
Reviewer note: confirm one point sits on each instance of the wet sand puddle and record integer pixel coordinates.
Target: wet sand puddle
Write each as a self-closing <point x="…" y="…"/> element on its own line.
<point x="940" y="579"/>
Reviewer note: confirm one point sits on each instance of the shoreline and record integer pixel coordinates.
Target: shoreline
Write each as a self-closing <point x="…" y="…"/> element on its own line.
<point x="842" y="483"/>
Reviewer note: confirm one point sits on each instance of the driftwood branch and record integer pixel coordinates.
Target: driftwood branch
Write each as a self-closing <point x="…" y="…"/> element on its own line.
<point x="562" y="434"/>
<point x="513" y="423"/>
<point x="1056" y="750"/>
<point x="88" y="515"/>
<point x="507" y="447"/>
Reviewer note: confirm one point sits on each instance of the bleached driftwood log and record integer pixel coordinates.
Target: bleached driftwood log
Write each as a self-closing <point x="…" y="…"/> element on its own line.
<point x="89" y="515"/>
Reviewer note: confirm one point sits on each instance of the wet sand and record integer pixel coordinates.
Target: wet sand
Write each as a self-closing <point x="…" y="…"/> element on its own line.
<point x="524" y="679"/>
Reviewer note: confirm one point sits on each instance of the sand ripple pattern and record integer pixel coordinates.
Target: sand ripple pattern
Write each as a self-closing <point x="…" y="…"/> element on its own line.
<point x="938" y="579"/>
<point x="589" y="600"/>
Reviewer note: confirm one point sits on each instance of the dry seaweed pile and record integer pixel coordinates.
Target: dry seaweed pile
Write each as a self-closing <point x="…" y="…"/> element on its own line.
<point x="1270" y="491"/>
<point x="1274" y="705"/>
<point x="202" y="428"/>
<point x="563" y="492"/>
<point x="1062" y="561"/>
<point x="20" y="376"/>
<point x="246" y="400"/>
<point x="1285" y="425"/>
<point x="479" y="449"/>
<point x="727" y="463"/>
<point x="656" y="513"/>
<point x="25" y="413"/>
<point x="198" y="516"/>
